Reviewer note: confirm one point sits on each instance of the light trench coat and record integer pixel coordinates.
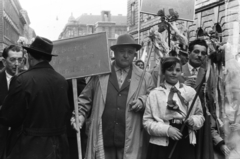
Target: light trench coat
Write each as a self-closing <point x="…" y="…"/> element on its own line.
<point x="93" y="98"/>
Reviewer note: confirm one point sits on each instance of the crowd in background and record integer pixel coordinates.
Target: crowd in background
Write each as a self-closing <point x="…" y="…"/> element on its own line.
<point x="190" y="97"/>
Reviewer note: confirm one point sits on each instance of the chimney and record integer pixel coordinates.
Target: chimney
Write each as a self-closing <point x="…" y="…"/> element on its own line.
<point x="106" y="16"/>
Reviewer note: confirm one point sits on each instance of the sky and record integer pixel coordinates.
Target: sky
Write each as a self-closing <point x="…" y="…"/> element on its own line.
<point x="48" y="17"/>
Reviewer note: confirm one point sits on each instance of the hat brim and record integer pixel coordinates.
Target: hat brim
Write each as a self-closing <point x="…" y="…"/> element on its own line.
<point x="37" y="51"/>
<point x="137" y="46"/>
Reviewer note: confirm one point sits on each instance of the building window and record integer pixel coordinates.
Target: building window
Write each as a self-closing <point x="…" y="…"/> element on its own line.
<point x="10" y="32"/>
<point x="133" y="13"/>
<point x="141" y="17"/>
<point x="80" y="32"/>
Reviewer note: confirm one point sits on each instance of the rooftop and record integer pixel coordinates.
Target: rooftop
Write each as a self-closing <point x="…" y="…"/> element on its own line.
<point x="92" y="19"/>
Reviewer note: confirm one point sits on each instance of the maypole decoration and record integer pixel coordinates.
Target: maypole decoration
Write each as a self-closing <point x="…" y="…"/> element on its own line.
<point x="23" y="41"/>
<point x="232" y="88"/>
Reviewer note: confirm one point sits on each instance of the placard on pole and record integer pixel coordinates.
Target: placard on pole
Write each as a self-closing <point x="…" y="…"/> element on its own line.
<point x="81" y="57"/>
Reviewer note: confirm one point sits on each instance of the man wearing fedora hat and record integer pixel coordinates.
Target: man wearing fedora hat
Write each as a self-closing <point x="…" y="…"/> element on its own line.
<point x="36" y="107"/>
<point x="115" y="130"/>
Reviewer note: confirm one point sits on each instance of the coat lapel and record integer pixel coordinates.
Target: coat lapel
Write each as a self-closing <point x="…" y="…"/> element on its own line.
<point x="3" y="86"/>
<point x="103" y="84"/>
<point x="127" y="80"/>
<point x="185" y="70"/>
<point x="113" y="79"/>
<point x="135" y="78"/>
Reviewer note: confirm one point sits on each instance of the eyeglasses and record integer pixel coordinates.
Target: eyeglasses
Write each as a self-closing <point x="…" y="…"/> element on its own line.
<point x="14" y="60"/>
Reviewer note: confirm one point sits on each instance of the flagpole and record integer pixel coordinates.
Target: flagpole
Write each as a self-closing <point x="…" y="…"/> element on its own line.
<point x="144" y="70"/>
<point x="139" y="25"/>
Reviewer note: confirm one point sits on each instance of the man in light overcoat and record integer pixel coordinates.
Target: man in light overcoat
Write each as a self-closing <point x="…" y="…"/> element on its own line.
<point x="115" y="129"/>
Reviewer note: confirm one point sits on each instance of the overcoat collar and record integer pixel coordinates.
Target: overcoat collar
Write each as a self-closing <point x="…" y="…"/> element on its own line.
<point x="3" y="80"/>
<point x="41" y="65"/>
<point x="113" y="80"/>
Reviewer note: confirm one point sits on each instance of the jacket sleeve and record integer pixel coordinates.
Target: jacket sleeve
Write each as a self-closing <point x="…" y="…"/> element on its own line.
<point x="86" y="97"/>
<point x="149" y="86"/>
<point x="198" y="114"/>
<point x="214" y="132"/>
<point x="154" y="127"/>
<point x="15" y="104"/>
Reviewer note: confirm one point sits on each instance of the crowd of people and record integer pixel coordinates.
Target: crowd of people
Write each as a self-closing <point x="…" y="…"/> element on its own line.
<point x="126" y="114"/>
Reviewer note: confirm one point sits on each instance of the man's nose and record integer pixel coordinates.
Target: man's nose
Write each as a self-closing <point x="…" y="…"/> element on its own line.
<point x="17" y="63"/>
<point x="125" y="54"/>
<point x="199" y="56"/>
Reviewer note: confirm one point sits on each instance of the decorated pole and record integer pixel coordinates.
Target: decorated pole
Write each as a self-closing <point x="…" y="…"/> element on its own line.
<point x="139" y="23"/>
<point x="159" y="72"/>
<point x="145" y="69"/>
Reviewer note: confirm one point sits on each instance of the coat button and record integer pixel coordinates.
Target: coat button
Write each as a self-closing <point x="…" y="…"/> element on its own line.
<point x="120" y="95"/>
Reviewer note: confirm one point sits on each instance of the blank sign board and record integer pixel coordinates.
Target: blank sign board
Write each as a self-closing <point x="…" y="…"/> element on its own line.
<point x="82" y="56"/>
<point x="185" y="8"/>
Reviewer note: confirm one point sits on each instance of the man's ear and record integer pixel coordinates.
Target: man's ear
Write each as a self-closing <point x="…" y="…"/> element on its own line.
<point x="135" y="55"/>
<point x="29" y="56"/>
<point x="4" y="62"/>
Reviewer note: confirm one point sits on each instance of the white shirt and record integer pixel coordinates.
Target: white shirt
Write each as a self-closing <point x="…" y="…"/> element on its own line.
<point x="9" y="77"/>
<point x="191" y="69"/>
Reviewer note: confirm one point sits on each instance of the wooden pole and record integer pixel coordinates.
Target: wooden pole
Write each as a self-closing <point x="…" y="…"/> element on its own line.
<point x="139" y="21"/>
<point x="159" y="72"/>
<point x="144" y="72"/>
<point x="78" y="133"/>
<point x="169" y="36"/>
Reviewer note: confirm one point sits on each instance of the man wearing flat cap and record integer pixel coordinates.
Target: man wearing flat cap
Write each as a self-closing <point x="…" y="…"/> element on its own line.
<point x="115" y="129"/>
<point x="36" y="107"/>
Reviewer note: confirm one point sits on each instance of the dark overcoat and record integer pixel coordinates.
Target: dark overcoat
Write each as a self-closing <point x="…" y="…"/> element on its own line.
<point x="204" y="147"/>
<point x="36" y="108"/>
<point x="3" y="128"/>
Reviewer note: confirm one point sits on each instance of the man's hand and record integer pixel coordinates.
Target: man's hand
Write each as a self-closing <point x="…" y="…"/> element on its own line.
<point x="190" y="122"/>
<point x="190" y="82"/>
<point x="225" y="150"/>
<point x="174" y="133"/>
<point x="81" y="120"/>
<point x="136" y="105"/>
<point x="235" y="127"/>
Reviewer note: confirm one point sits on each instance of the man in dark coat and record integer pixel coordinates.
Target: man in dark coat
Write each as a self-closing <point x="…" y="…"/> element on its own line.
<point x="36" y="108"/>
<point x="12" y="58"/>
<point x="193" y="73"/>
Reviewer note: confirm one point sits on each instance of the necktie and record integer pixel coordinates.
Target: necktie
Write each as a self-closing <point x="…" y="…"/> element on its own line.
<point x="194" y="71"/>
<point x="172" y="105"/>
<point x="170" y="96"/>
<point x="120" y="78"/>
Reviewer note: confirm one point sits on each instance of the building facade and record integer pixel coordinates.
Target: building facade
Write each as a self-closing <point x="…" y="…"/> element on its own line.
<point x="208" y="14"/>
<point x="14" y="23"/>
<point x="88" y="24"/>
